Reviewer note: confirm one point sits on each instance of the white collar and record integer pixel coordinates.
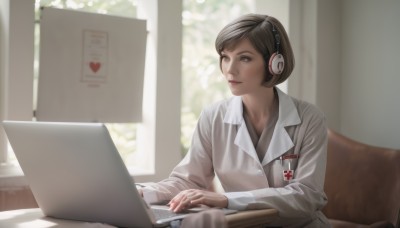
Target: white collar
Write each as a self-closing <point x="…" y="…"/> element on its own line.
<point x="280" y="141"/>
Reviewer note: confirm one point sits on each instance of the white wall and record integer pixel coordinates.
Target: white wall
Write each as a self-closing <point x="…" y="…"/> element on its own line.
<point x="315" y="37"/>
<point x="346" y="57"/>
<point x="303" y="36"/>
<point x="328" y="51"/>
<point x="370" y="101"/>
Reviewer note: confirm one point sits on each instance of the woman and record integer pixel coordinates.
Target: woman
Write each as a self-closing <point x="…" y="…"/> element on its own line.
<point x="267" y="149"/>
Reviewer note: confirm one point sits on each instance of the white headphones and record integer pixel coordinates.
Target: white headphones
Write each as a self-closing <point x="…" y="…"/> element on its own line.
<point x="276" y="62"/>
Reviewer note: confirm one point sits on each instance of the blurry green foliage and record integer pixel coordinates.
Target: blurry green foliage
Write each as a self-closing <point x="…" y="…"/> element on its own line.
<point x="202" y="82"/>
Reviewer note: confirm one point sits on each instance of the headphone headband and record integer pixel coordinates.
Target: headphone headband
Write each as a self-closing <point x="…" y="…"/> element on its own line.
<point x="277" y="38"/>
<point x="276" y="61"/>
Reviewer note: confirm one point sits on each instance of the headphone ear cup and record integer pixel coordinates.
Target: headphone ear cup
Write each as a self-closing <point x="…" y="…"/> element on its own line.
<point x="276" y="64"/>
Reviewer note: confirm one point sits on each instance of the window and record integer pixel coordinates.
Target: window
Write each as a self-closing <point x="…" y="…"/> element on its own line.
<point x="202" y="82"/>
<point x="158" y="150"/>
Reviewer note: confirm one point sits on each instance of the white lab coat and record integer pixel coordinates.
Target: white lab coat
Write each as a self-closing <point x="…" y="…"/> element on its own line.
<point x="222" y="146"/>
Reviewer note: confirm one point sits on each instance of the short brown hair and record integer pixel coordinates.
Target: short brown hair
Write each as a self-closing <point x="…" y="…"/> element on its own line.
<point x="257" y="29"/>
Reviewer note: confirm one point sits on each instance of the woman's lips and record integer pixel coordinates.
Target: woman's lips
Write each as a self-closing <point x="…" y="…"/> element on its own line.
<point x="233" y="82"/>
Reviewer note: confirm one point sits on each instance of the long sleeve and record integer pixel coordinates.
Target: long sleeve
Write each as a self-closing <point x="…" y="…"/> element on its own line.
<point x="195" y="171"/>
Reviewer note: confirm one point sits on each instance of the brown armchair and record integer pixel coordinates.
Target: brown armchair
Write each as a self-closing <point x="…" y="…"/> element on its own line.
<point x="362" y="184"/>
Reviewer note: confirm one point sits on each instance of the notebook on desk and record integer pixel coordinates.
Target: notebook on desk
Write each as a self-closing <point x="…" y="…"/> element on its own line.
<point x="75" y="172"/>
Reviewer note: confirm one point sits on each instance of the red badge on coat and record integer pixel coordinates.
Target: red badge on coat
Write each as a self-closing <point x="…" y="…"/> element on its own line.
<point x="288" y="174"/>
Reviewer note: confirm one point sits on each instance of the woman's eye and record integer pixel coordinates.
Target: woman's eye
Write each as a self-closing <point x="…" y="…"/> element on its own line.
<point x="224" y="57"/>
<point x="245" y="58"/>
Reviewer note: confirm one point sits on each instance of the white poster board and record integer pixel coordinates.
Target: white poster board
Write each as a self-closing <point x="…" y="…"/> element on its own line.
<point x="91" y="67"/>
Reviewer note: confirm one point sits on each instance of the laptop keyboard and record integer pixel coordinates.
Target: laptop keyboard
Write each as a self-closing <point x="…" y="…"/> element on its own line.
<point x="164" y="213"/>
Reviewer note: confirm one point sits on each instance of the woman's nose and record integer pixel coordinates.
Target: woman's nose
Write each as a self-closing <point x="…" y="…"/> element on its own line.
<point x="230" y="67"/>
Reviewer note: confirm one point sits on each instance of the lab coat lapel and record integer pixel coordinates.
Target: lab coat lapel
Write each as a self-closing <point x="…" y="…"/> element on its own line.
<point x="244" y="142"/>
<point x="234" y="115"/>
<point x="281" y="141"/>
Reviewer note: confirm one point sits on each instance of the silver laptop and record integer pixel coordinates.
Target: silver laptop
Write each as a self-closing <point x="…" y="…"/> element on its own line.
<point x="75" y="172"/>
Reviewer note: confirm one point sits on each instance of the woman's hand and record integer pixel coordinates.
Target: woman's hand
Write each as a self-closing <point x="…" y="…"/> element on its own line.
<point x="194" y="197"/>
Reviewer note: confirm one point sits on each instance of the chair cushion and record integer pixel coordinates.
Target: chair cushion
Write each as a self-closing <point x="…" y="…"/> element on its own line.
<point x="362" y="182"/>
<point x="343" y="224"/>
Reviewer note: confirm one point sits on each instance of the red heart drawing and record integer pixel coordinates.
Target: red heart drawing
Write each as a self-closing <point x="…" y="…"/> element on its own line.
<point x="95" y="66"/>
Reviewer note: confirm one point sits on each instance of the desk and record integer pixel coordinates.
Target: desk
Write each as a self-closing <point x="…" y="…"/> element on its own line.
<point x="253" y="218"/>
<point x="34" y="218"/>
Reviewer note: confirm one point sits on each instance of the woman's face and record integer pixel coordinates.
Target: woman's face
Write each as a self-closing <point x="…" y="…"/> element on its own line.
<point x="243" y="67"/>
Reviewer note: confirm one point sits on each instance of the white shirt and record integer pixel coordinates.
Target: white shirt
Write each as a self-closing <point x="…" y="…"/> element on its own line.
<point x="222" y="146"/>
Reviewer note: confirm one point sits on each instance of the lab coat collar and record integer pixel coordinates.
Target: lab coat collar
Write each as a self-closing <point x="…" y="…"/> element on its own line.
<point x="234" y="114"/>
<point x="280" y="141"/>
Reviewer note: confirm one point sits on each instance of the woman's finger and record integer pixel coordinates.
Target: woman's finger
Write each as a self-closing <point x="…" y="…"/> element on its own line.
<point x="183" y="204"/>
<point x="187" y="199"/>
